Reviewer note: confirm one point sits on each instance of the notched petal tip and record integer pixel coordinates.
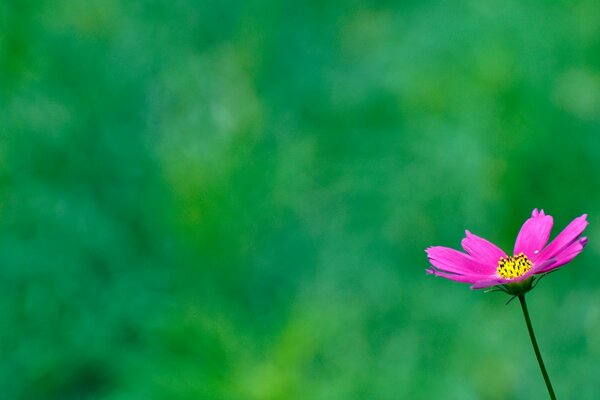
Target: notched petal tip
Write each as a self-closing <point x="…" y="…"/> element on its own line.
<point x="534" y="234"/>
<point x="582" y="220"/>
<point x="429" y="249"/>
<point x="539" y="213"/>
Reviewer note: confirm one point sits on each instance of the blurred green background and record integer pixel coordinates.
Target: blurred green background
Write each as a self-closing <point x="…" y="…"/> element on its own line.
<point x="231" y="200"/>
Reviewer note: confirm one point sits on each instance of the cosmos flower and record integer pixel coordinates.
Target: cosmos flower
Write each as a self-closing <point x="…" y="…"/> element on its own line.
<point x="485" y="265"/>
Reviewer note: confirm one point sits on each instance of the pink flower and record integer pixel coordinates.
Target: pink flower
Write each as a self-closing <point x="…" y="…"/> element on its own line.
<point x="485" y="265"/>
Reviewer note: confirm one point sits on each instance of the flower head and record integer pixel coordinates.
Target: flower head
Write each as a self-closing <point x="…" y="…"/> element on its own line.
<point x="485" y="265"/>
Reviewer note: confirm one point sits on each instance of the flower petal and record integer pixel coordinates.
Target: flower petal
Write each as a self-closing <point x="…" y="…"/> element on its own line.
<point x="486" y="283"/>
<point x="542" y="266"/>
<point x="482" y="250"/>
<point x="454" y="261"/>
<point x="468" y="278"/>
<point x="564" y="239"/>
<point x="565" y="256"/>
<point x="497" y="280"/>
<point x="534" y="234"/>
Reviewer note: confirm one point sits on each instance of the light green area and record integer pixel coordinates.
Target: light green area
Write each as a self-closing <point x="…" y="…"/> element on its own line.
<point x="231" y="199"/>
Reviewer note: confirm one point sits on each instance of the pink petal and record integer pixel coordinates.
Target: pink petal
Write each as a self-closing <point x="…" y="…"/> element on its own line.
<point x="542" y="266"/>
<point x="467" y="278"/>
<point x="564" y="239"/>
<point x="565" y="256"/>
<point x="497" y="280"/>
<point x="450" y="260"/>
<point x="486" y="283"/>
<point x="534" y="234"/>
<point x="482" y="250"/>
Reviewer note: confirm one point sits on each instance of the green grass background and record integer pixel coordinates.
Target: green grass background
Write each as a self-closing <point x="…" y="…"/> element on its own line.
<point x="231" y="199"/>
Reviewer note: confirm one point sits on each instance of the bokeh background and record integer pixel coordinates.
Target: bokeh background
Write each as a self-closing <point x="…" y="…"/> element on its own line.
<point x="231" y="199"/>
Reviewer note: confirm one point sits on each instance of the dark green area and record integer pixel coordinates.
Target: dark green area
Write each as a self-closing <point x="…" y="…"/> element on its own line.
<point x="231" y="200"/>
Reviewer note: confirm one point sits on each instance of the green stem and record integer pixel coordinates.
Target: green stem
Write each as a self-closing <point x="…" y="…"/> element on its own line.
<point x="535" y="347"/>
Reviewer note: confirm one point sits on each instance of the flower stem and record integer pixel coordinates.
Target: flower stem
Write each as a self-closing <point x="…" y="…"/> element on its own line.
<point x="535" y="347"/>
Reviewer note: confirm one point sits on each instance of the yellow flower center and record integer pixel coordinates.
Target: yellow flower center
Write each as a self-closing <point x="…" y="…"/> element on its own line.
<point x="513" y="266"/>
